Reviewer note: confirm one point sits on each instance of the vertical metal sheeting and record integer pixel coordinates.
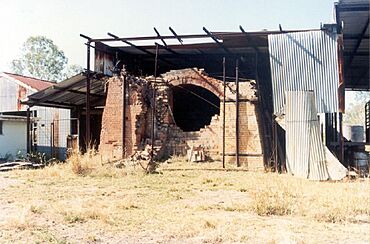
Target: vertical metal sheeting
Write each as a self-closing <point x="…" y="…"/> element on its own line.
<point x="305" y="150"/>
<point x="305" y="61"/>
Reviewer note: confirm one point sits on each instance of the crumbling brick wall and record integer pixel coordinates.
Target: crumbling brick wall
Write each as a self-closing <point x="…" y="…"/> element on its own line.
<point x="136" y="109"/>
<point x="170" y="139"/>
<point x="111" y="131"/>
<point x="250" y="143"/>
<point x="210" y="137"/>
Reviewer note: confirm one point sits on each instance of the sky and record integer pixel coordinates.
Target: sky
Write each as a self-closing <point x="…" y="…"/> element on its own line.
<point x="64" y="20"/>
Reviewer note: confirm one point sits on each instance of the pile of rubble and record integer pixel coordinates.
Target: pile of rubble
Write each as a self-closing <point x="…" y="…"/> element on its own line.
<point x="6" y="166"/>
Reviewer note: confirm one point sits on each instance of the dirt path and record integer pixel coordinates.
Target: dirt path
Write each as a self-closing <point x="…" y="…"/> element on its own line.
<point x="6" y="207"/>
<point x="5" y="181"/>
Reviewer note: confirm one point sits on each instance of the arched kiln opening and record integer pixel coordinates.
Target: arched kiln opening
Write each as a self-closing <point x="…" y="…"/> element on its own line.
<point x="194" y="106"/>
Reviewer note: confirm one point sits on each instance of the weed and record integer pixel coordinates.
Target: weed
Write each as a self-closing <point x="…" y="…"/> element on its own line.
<point x="209" y="225"/>
<point x="36" y="209"/>
<point x="267" y="201"/>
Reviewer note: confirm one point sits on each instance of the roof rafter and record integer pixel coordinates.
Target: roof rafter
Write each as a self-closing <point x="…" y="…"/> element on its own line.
<point x="139" y="48"/>
<point x="160" y="37"/>
<point x="175" y="35"/>
<point x="246" y="35"/>
<point x="216" y="40"/>
<point x="358" y="43"/>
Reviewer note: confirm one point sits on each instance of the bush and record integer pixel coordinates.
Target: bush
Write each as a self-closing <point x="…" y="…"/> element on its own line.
<point x="271" y="201"/>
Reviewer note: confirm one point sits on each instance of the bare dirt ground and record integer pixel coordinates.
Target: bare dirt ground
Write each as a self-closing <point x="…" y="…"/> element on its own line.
<point x="7" y="209"/>
<point x="196" y="205"/>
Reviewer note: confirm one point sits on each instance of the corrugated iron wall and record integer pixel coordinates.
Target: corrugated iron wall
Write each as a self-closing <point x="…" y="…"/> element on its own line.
<point x="305" y="61"/>
<point x="305" y="150"/>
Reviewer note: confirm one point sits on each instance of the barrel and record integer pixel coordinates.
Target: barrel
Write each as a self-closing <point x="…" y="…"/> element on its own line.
<point x="361" y="159"/>
<point x="354" y="133"/>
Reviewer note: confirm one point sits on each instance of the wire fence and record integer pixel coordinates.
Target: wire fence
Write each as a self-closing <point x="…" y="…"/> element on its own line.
<point x="50" y="136"/>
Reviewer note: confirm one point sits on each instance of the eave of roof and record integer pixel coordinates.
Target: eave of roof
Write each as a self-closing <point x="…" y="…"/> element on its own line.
<point x="355" y="17"/>
<point x="70" y="93"/>
<point x="34" y="83"/>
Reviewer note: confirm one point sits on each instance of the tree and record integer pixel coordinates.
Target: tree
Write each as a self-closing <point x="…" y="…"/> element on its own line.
<point x="355" y="113"/>
<point x="42" y="59"/>
<point x="72" y="70"/>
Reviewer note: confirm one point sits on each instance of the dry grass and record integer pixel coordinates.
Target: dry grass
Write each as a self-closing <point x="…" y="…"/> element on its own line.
<point x="87" y="200"/>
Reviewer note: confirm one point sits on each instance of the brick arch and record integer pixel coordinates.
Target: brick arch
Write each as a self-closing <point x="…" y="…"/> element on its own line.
<point x="195" y="77"/>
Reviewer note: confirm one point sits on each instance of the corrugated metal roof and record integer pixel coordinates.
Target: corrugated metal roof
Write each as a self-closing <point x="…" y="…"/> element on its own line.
<point x="71" y="93"/>
<point x="304" y="149"/>
<point x="305" y="61"/>
<point x="352" y="17"/>
<point x="12" y="118"/>
<point x="32" y="82"/>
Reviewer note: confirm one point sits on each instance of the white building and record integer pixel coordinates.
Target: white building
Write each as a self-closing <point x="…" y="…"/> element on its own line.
<point x="12" y="136"/>
<point x="48" y="133"/>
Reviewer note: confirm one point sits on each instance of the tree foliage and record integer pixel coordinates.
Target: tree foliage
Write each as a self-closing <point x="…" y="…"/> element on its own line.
<point x="72" y="70"/>
<point x="355" y="113"/>
<point x="42" y="59"/>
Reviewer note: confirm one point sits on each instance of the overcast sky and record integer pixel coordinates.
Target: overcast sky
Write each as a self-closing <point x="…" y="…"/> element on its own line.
<point x="63" y="20"/>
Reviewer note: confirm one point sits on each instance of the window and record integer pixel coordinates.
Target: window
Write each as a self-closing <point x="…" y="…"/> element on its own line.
<point x="1" y="127"/>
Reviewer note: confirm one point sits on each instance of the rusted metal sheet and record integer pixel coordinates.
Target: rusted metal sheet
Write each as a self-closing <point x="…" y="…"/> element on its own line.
<point x="341" y="88"/>
<point x="304" y="149"/>
<point x="305" y="61"/>
<point x="103" y="59"/>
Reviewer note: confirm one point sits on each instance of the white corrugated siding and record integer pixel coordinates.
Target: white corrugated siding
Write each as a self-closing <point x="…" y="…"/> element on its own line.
<point x="8" y="95"/>
<point x="61" y="119"/>
<point x="305" y="61"/>
<point x="304" y="149"/>
<point x="9" y="90"/>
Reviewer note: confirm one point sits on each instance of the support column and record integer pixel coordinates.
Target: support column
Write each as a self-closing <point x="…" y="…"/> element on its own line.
<point x="237" y="112"/>
<point x="223" y="111"/>
<point x="153" y="108"/>
<point x="28" y="130"/>
<point x="341" y="139"/>
<point x="123" y="72"/>
<point x="88" y="131"/>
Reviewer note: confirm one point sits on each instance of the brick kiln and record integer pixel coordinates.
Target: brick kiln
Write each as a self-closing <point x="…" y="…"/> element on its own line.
<point x="188" y="114"/>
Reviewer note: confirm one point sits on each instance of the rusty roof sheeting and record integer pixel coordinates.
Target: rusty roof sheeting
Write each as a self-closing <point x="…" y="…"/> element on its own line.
<point x="37" y="84"/>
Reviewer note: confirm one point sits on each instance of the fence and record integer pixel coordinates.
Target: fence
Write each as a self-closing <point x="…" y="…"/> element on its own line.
<point x="50" y="136"/>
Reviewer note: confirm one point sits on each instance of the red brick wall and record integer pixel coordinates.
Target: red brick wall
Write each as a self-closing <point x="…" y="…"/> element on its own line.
<point x="169" y="138"/>
<point x="136" y="112"/>
<point x="111" y="131"/>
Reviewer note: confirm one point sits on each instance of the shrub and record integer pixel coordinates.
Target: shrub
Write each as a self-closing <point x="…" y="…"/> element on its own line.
<point x="273" y="201"/>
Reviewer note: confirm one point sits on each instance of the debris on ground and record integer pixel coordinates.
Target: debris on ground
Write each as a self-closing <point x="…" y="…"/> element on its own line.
<point x="6" y="166"/>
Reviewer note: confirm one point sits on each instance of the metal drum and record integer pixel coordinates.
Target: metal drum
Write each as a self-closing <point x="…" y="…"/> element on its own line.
<point x="354" y="133"/>
<point x="361" y="160"/>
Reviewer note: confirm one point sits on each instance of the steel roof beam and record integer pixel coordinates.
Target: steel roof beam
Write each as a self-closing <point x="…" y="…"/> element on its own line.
<point x="137" y="47"/>
<point x="160" y="37"/>
<point x="175" y="35"/>
<point x="147" y="38"/>
<point x="353" y="7"/>
<point x="81" y="93"/>
<point x="86" y="37"/>
<point x="216" y="40"/>
<point x="354" y="37"/>
<point x="191" y="36"/>
<point x="167" y="49"/>
<point x="281" y="29"/>
<point x="132" y="45"/>
<point x="358" y="43"/>
<point x="246" y="35"/>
